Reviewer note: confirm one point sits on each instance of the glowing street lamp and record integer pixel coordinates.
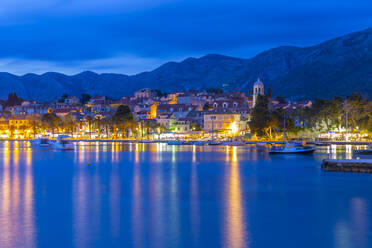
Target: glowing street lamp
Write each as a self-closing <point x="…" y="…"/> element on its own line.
<point x="234" y="128"/>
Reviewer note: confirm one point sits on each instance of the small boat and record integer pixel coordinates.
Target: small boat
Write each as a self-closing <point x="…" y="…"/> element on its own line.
<point x="363" y="151"/>
<point x="214" y="143"/>
<point x="292" y="149"/>
<point x="199" y="143"/>
<point x="62" y="143"/>
<point x="261" y="144"/>
<point x="41" y="142"/>
<point x="190" y="142"/>
<point x="233" y="143"/>
<point x="175" y="142"/>
<point x="322" y="144"/>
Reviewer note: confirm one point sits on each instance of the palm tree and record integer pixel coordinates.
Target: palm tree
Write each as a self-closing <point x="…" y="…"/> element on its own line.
<point x="50" y="121"/>
<point x="89" y="120"/>
<point x="98" y="119"/>
<point x="69" y="121"/>
<point x="35" y="122"/>
<point x="123" y="120"/>
<point x="107" y="124"/>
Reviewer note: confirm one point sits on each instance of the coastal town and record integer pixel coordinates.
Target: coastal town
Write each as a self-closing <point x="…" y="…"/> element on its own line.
<point x="193" y="115"/>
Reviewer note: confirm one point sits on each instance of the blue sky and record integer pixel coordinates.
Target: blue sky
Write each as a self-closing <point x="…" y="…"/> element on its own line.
<point x="131" y="36"/>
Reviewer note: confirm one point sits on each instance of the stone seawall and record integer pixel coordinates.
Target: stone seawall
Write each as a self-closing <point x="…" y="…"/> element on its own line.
<point x="348" y="165"/>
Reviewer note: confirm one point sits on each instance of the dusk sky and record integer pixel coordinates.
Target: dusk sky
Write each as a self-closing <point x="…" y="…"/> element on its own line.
<point x="123" y="36"/>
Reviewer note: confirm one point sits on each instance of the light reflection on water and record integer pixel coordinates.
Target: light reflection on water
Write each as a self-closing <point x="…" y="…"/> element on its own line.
<point x="17" y="221"/>
<point x="235" y="233"/>
<point x="155" y="195"/>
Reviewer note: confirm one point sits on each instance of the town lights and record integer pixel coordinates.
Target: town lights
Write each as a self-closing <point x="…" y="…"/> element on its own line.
<point x="234" y="128"/>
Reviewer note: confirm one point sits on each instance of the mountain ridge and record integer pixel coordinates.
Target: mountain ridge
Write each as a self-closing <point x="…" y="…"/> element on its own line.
<point x="336" y="67"/>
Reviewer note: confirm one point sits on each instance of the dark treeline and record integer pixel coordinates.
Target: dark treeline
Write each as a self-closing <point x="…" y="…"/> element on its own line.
<point x="351" y="114"/>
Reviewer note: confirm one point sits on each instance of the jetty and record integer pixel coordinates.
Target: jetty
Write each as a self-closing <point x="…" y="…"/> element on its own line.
<point x="348" y="165"/>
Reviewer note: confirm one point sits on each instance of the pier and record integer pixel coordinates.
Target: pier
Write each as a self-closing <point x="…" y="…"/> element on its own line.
<point x="348" y="165"/>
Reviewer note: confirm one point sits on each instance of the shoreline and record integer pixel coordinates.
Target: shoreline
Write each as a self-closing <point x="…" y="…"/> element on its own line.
<point x="164" y="141"/>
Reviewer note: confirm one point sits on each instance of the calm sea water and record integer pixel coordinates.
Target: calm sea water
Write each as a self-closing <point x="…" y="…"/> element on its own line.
<point x="154" y="195"/>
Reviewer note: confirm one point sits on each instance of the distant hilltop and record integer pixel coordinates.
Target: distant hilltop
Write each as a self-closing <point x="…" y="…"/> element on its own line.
<point x="336" y="67"/>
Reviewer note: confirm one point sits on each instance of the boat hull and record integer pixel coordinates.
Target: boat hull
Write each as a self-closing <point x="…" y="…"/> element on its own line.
<point x="58" y="146"/>
<point x="175" y="143"/>
<point x="307" y="151"/>
<point x="214" y="143"/>
<point x="40" y="143"/>
<point x="362" y="152"/>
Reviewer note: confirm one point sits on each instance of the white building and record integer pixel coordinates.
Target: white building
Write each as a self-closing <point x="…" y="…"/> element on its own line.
<point x="144" y="93"/>
<point x="258" y="89"/>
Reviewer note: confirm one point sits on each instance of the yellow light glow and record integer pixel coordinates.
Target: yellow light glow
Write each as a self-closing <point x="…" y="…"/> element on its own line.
<point x="234" y="128"/>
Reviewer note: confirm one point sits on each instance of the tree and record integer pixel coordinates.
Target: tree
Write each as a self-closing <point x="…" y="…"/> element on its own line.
<point x="69" y="122"/>
<point x="35" y="122"/>
<point x="107" y="125"/>
<point x="89" y="119"/>
<point x="260" y="116"/>
<point x="50" y="121"/>
<point x="145" y="128"/>
<point x="63" y="97"/>
<point x="159" y="93"/>
<point x="195" y="126"/>
<point x="206" y="106"/>
<point x="357" y="109"/>
<point x="122" y="114"/>
<point x="97" y="120"/>
<point x="214" y="91"/>
<point x="85" y="98"/>
<point x="13" y="100"/>
<point x="277" y="119"/>
<point x="327" y="113"/>
<point x="123" y="119"/>
<point x="281" y="99"/>
<point x="369" y="123"/>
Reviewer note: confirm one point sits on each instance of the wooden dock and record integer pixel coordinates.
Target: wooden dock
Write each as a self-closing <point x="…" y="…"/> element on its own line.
<point x="348" y="165"/>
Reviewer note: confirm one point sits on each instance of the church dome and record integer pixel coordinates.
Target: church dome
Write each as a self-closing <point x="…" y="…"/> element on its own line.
<point x="258" y="82"/>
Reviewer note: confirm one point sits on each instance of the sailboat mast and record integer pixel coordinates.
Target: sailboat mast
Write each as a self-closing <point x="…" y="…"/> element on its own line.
<point x="284" y="129"/>
<point x="213" y="128"/>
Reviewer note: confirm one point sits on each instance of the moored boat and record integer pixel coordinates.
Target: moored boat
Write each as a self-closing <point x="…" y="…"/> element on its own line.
<point x="363" y="151"/>
<point x="175" y="142"/>
<point x="214" y="143"/>
<point x="322" y="144"/>
<point x="62" y="143"/>
<point x="292" y="149"/>
<point x="261" y="144"/>
<point x="41" y="142"/>
<point x="199" y="143"/>
<point x="233" y="143"/>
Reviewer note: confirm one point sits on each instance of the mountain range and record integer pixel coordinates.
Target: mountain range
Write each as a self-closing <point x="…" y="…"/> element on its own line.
<point x="336" y="67"/>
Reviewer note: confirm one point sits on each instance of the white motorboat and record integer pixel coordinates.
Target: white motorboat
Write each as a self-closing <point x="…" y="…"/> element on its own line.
<point x="292" y="149"/>
<point x="175" y="142"/>
<point x="233" y="143"/>
<point x="322" y="144"/>
<point x="41" y="142"/>
<point x="63" y="144"/>
<point x="199" y="143"/>
<point x="214" y="143"/>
